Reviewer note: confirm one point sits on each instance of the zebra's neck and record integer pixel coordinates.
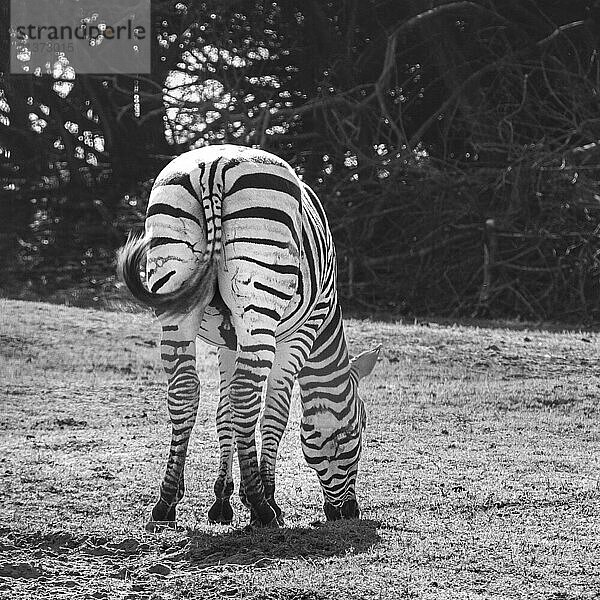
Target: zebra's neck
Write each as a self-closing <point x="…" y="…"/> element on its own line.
<point x="333" y="382"/>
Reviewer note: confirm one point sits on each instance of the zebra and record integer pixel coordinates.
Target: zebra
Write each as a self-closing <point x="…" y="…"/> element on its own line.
<point x="238" y="253"/>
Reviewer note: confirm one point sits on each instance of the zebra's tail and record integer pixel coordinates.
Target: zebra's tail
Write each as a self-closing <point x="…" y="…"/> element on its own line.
<point x="197" y="289"/>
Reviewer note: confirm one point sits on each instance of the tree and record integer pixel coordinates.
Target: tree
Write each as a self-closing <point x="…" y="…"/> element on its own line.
<point x="416" y="121"/>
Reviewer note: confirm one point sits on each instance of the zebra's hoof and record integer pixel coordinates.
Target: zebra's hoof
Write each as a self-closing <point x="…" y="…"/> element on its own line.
<point x="348" y="510"/>
<point x="158" y="526"/>
<point x="263" y="516"/>
<point x="332" y="513"/>
<point x="163" y="511"/>
<point x="220" y="512"/>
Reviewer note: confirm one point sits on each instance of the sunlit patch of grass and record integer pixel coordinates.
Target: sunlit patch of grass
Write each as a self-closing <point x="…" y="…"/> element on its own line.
<point x="480" y="475"/>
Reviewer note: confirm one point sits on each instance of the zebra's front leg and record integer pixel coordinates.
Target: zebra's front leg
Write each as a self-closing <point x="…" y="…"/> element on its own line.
<point x="178" y="353"/>
<point x="289" y="358"/>
<point x="273" y="424"/>
<point x="221" y="511"/>
<point x="253" y="364"/>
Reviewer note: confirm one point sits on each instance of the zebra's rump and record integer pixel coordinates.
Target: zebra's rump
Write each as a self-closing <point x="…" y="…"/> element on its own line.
<point x="223" y="209"/>
<point x="316" y="279"/>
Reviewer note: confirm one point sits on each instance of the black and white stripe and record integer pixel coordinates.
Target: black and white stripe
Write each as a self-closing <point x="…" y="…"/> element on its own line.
<point x="238" y="252"/>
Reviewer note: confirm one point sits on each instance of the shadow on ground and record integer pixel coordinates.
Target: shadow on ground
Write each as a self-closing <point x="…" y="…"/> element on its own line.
<point x="241" y="547"/>
<point x="20" y="553"/>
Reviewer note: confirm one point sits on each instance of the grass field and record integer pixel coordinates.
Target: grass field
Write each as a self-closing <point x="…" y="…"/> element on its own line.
<point x="480" y="476"/>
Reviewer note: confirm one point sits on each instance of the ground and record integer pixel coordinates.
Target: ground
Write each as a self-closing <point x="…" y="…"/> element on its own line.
<point x="480" y="476"/>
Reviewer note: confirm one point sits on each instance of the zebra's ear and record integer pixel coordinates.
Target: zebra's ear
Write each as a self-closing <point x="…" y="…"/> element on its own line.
<point x="364" y="363"/>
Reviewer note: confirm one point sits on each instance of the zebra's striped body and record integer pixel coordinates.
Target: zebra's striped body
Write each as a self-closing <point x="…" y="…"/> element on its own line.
<point x="239" y="253"/>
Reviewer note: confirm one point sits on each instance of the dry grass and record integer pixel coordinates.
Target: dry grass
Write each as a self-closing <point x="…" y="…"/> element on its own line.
<point x="480" y="477"/>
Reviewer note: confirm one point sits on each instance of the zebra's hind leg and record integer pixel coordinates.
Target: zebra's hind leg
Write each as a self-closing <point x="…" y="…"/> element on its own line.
<point x="221" y="511"/>
<point x="178" y="352"/>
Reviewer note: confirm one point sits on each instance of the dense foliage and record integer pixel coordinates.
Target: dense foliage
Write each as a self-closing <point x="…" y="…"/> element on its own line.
<point x="416" y="122"/>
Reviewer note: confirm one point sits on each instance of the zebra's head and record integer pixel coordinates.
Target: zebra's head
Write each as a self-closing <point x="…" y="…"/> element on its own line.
<point x="339" y="480"/>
